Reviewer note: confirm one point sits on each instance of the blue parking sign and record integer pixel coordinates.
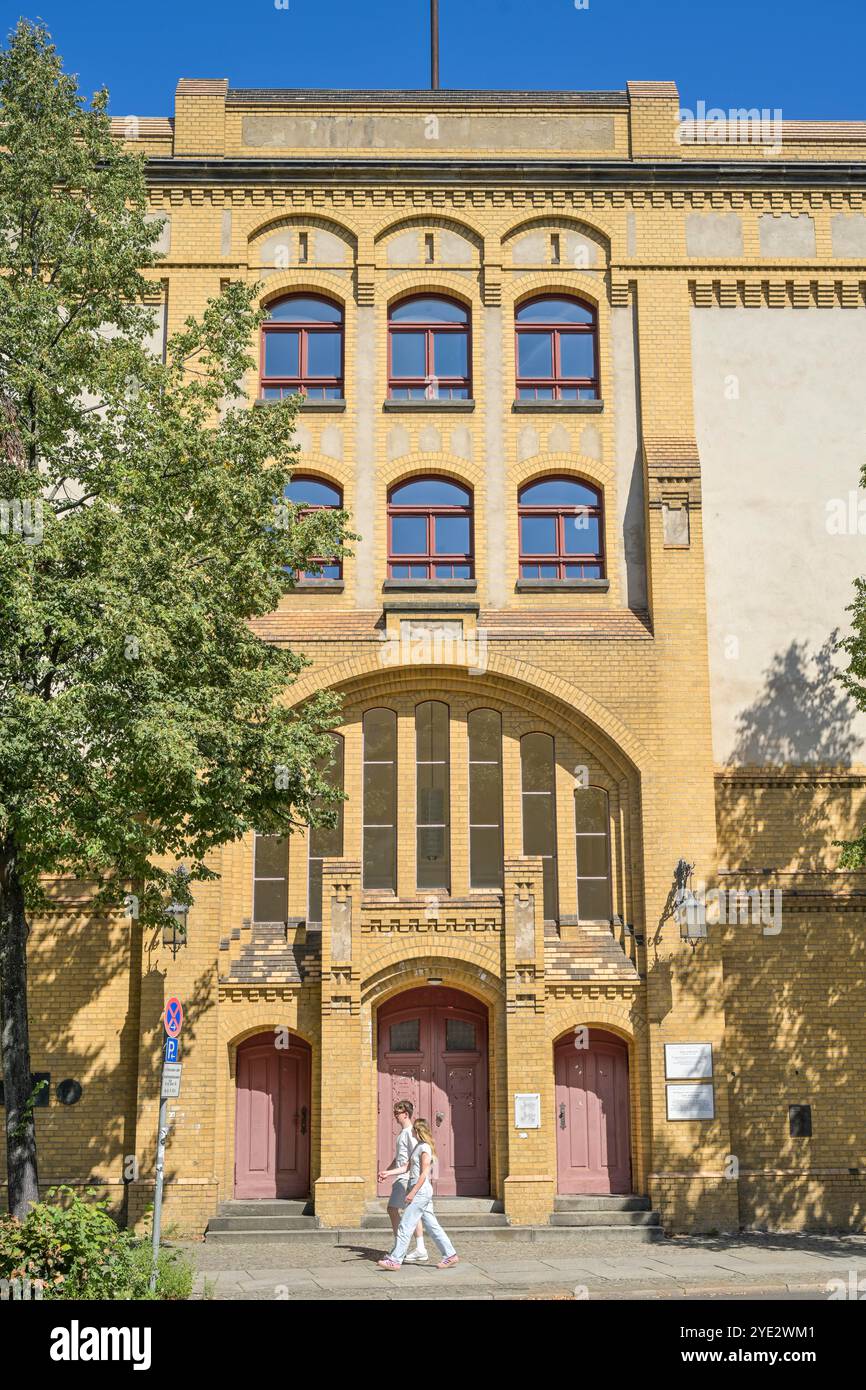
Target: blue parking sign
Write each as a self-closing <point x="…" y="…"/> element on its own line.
<point x="172" y="1050"/>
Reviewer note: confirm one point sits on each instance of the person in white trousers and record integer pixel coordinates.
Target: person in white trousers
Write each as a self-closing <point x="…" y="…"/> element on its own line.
<point x="399" y="1171"/>
<point x="419" y="1203"/>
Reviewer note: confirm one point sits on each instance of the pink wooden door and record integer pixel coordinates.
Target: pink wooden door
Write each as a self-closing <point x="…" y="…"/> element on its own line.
<point x="433" y="1051"/>
<point x="272" y="1129"/>
<point x="592" y="1115"/>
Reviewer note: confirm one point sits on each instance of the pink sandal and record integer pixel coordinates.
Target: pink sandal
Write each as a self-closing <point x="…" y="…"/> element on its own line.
<point x="447" y="1263"/>
<point x="388" y="1263"/>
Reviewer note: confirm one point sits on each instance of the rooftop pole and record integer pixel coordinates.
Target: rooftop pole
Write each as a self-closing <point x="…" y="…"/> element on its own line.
<point x="434" y="45"/>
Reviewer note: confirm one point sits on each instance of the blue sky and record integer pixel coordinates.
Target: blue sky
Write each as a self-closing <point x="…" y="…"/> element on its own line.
<point x="803" y="57"/>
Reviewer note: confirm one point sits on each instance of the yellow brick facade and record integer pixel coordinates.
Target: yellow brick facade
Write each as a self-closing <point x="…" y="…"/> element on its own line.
<point x="617" y="675"/>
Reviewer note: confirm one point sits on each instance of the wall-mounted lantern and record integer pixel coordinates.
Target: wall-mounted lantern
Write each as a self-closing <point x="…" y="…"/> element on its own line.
<point x="174" y="931"/>
<point x="689" y="907"/>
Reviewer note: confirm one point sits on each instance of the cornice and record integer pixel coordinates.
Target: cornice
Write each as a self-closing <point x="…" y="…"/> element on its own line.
<point x="497" y="173"/>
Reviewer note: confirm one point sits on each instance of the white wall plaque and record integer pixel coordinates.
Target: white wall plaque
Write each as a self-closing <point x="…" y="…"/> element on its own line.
<point x="527" y="1110"/>
<point x="691" y="1102"/>
<point x="683" y="1061"/>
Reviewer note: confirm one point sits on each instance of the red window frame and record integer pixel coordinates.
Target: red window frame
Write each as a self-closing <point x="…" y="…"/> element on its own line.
<point x="563" y="513"/>
<point x="305" y="509"/>
<point x="430" y="560"/>
<point x="303" y="383"/>
<point x="557" y="383"/>
<point x="446" y="385"/>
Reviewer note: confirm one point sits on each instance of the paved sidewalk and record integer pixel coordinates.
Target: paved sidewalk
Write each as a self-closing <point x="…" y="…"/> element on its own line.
<point x="795" y="1266"/>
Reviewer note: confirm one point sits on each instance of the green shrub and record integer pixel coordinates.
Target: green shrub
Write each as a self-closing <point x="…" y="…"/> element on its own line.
<point x="77" y="1249"/>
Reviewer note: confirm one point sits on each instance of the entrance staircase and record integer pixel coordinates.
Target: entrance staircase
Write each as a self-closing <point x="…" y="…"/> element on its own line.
<point x="252" y="1222"/>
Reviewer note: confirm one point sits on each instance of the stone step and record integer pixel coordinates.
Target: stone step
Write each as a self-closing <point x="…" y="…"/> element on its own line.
<point x="470" y="1220"/>
<point x="454" y="1206"/>
<point x="279" y="1206"/>
<point x="601" y="1219"/>
<point x="262" y="1224"/>
<point x="593" y="1202"/>
<point x="375" y="1239"/>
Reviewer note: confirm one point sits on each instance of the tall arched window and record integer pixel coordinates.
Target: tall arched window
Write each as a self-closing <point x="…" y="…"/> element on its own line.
<point x="428" y="349"/>
<point x="380" y="800"/>
<point x="557" y="350"/>
<point x="433" y="849"/>
<point x="310" y="495"/>
<point x="484" y="727"/>
<point x="538" y="771"/>
<point x="302" y="348"/>
<point x="325" y="841"/>
<point x="430" y="530"/>
<point x="271" y="878"/>
<point x="560" y="523"/>
<point x="592" y="832"/>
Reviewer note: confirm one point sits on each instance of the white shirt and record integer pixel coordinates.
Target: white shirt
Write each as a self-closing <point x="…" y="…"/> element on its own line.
<point x="415" y="1163"/>
<point x="405" y="1145"/>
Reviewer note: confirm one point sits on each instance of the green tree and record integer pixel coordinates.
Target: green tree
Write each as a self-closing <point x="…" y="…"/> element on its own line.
<point x="141" y="719"/>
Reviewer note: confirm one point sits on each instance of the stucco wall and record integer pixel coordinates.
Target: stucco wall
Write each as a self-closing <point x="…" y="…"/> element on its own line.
<point x="781" y="421"/>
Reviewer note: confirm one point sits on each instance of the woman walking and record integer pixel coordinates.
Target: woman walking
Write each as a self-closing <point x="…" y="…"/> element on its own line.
<point x="419" y="1204"/>
<point x="399" y="1171"/>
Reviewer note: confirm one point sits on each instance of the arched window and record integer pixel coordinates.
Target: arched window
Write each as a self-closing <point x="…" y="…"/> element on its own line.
<point x="592" y="831"/>
<point x="302" y="349"/>
<point x="557" y="350"/>
<point x="430" y="530"/>
<point x="484" y="727"/>
<point x="428" y="349"/>
<point x="560" y="530"/>
<point x="538" y="771"/>
<point x="325" y="841"/>
<point x="380" y="800"/>
<point x="310" y="495"/>
<point x="433" y="849"/>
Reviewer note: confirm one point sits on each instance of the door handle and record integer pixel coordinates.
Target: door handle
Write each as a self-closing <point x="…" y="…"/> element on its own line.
<point x="562" y="1115"/>
<point x="303" y="1119"/>
<point x="439" y="1117"/>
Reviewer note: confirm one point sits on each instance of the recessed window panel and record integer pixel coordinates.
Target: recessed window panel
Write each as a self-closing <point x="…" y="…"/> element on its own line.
<point x="271" y="878"/>
<point x="433" y="865"/>
<point x="428" y="310"/>
<point x="305" y="309"/>
<point x="592" y="839"/>
<point x="580" y="534"/>
<point x="409" y="535"/>
<point x="450" y="354"/>
<point x="430" y="492"/>
<point x="535" y="354"/>
<point x="539" y="812"/>
<point x="380" y="800"/>
<point x="325" y="842"/>
<point x="539" y="535"/>
<point x="484" y="728"/>
<point x="460" y="1035"/>
<point x="324" y="354"/>
<point x="408" y="354"/>
<point x="451" y="535"/>
<point x="576" y="355"/>
<point x="405" y="1036"/>
<point x="282" y="354"/>
<point x="554" y="311"/>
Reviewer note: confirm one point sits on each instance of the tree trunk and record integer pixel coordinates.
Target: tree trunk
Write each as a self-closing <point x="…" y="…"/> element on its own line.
<point x="15" y="1038"/>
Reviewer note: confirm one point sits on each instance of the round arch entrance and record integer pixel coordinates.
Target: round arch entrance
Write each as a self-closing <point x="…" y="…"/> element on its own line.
<point x="272" y="1121"/>
<point x="432" y="1050"/>
<point x="593" y="1143"/>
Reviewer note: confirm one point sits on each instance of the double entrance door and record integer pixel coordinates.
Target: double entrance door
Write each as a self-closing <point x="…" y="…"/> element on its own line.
<point x="433" y="1051"/>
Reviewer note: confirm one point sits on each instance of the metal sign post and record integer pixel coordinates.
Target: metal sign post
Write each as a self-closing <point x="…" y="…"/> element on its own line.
<point x="169" y="1085"/>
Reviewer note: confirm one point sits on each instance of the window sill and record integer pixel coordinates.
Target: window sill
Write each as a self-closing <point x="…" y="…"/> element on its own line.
<point x="430" y="586"/>
<point x="460" y="407"/>
<point x="318" y="586"/>
<point x="334" y="407"/>
<point x="534" y="586"/>
<point x="558" y="407"/>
